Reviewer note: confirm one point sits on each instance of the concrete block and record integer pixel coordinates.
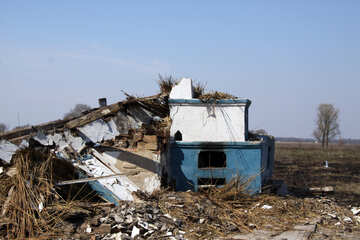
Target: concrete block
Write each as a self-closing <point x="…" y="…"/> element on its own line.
<point x="147" y="146"/>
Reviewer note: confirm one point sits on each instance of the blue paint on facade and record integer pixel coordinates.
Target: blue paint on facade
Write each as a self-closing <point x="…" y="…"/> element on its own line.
<point x="245" y="159"/>
<point x="101" y="190"/>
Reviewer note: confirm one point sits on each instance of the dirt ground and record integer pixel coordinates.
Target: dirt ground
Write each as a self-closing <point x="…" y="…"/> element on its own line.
<point x="301" y="166"/>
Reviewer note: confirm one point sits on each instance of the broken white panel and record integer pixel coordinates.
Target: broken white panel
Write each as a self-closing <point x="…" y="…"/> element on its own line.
<point x="355" y="210"/>
<point x="43" y="139"/>
<point x="59" y="141"/>
<point x="77" y="143"/>
<point x="135" y="232"/>
<point x="152" y="183"/>
<point x="182" y="90"/>
<point x="100" y="130"/>
<point x="24" y="144"/>
<point x="120" y="186"/>
<point x="7" y="150"/>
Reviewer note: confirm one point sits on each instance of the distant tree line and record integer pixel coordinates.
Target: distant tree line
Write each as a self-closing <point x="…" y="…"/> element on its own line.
<point x="77" y="111"/>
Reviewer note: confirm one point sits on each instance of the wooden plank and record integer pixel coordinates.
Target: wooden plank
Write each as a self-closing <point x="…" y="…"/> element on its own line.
<point x="27" y="131"/>
<point x="95" y="115"/>
<point x="322" y="189"/>
<point x="85" y="180"/>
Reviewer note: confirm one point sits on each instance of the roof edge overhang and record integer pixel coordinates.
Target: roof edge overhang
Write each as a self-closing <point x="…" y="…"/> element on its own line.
<point x="194" y="101"/>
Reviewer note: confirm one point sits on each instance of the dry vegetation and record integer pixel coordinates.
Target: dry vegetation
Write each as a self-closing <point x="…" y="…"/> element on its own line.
<point x="166" y="83"/>
<point x="31" y="203"/>
<point x="301" y="166"/>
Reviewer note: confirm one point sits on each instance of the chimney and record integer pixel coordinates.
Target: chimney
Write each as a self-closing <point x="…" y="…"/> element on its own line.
<point x="102" y="102"/>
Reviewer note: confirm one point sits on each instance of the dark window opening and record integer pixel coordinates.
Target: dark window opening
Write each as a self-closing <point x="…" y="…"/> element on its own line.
<point x="212" y="159"/>
<point x="211" y="181"/>
<point x="178" y="136"/>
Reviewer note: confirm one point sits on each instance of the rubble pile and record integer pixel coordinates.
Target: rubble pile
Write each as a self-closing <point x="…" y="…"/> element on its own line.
<point x="142" y="220"/>
<point x="34" y="205"/>
<point x="190" y="215"/>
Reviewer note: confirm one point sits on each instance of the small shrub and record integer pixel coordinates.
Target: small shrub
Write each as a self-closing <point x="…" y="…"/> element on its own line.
<point x="166" y="83"/>
<point x="199" y="89"/>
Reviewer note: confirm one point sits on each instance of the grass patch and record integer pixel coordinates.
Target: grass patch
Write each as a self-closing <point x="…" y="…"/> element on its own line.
<point x="301" y="166"/>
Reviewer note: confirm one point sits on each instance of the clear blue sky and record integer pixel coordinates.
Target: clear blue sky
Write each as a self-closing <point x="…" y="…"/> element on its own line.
<point x="286" y="56"/>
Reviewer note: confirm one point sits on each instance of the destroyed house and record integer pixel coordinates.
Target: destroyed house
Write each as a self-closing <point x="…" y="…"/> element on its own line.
<point x="140" y="143"/>
<point x="116" y="149"/>
<point x="210" y="143"/>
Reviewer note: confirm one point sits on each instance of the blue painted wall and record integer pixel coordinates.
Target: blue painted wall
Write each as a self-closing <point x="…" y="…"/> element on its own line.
<point x="245" y="159"/>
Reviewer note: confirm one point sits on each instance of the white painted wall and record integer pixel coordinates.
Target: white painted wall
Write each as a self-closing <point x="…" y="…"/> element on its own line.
<point x="182" y="90"/>
<point x="208" y="122"/>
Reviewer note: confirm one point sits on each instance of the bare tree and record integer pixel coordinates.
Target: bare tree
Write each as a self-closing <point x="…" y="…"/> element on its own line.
<point x="327" y="126"/>
<point x="77" y="111"/>
<point x="3" y="127"/>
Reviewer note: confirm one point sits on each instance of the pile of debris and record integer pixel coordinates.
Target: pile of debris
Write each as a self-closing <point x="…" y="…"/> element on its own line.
<point x="35" y="204"/>
<point x="99" y="176"/>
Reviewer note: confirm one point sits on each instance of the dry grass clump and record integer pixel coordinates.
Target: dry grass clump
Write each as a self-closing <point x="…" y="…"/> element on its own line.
<point x="31" y="205"/>
<point x="31" y="190"/>
<point x="199" y="89"/>
<point x="166" y="83"/>
<point x="216" y="96"/>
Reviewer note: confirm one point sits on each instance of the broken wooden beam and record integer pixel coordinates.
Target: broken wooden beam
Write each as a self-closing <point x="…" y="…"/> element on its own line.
<point x="85" y="180"/>
<point x="94" y="115"/>
<point x="322" y="189"/>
